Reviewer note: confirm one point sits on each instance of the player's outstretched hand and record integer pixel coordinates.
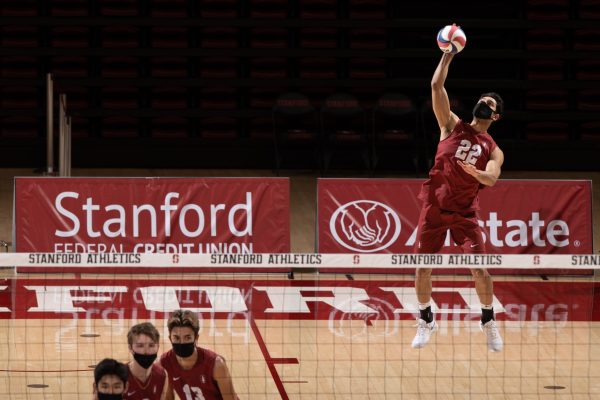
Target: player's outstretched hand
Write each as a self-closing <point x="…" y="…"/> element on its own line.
<point x="469" y="169"/>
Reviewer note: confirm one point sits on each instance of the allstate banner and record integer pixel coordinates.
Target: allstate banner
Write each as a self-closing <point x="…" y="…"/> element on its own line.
<point x="517" y="216"/>
<point x="152" y="215"/>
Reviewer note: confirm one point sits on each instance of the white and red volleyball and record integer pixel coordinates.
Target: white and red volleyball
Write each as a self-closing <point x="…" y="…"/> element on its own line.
<point x="451" y="39"/>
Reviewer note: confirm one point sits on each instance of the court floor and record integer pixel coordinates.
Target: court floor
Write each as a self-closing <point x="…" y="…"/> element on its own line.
<point x="310" y="346"/>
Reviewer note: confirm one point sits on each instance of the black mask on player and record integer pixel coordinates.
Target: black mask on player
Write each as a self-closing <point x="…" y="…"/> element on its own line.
<point x="482" y="111"/>
<point x="104" y="396"/>
<point x="145" y="360"/>
<point x="184" y="350"/>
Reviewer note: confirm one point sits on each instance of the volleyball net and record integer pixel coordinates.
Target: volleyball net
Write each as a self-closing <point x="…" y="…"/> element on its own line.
<point x="307" y="325"/>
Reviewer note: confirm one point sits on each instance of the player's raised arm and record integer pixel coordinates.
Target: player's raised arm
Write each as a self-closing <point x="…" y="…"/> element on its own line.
<point x="439" y="98"/>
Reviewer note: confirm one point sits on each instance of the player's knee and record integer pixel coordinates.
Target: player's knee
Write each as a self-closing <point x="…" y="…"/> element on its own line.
<point x="479" y="273"/>
<point x="423" y="272"/>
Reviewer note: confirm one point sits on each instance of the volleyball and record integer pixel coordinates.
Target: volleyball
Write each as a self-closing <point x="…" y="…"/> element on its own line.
<point x="451" y="39"/>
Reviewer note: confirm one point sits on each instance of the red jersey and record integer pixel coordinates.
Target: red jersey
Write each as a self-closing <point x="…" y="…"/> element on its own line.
<point x="196" y="383"/>
<point x="449" y="187"/>
<point x="151" y="390"/>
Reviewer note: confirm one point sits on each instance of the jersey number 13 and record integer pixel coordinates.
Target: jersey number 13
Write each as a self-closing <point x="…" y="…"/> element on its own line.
<point x="193" y="393"/>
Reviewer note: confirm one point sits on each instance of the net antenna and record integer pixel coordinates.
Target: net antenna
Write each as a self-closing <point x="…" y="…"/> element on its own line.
<point x="64" y="132"/>
<point x="49" y="124"/>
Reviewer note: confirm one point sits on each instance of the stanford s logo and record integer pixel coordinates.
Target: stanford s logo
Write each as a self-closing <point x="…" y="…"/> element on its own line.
<point x="365" y="226"/>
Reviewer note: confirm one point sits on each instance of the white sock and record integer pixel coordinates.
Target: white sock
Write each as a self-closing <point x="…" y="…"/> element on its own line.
<point x="486" y="307"/>
<point x="423" y="306"/>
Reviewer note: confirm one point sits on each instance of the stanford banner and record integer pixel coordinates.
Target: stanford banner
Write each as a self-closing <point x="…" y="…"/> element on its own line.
<point x="152" y="215"/>
<point x="517" y="216"/>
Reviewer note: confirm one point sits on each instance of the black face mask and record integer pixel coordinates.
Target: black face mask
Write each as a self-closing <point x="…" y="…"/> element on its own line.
<point x="104" y="396"/>
<point x="145" y="360"/>
<point x="482" y="111"/>
<point x="184" y="350"/>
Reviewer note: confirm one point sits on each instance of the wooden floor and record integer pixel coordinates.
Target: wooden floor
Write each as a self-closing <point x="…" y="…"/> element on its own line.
<point x="316" y="359"/>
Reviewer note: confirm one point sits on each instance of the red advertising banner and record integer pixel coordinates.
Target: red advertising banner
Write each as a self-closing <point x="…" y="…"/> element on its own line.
<point x="152" y="215"/>
<point x="517" y="216"/>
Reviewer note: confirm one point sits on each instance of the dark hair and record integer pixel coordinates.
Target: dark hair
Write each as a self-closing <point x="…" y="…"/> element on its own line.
<point x="184" y="318"/>
<point x="499" y="101"/>
<point x="145" y="328"/>
<point x="108" y="366"/>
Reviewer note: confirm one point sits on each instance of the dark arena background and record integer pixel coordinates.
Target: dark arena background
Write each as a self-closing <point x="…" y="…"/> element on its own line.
<point x="258" y="162"/>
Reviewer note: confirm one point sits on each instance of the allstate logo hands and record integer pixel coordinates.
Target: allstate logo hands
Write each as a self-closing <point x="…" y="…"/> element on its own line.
<point x="365" y="226"/>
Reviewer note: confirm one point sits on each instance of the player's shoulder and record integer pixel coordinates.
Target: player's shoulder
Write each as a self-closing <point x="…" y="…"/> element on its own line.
<point x="208" y="353"/>
<point x="164" y="358"/>
<point x="158" y="369"/>
<point x="490" y="139"/>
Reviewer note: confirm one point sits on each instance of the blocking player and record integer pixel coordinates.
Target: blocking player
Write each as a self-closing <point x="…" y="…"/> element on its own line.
<point x="110" y="380"/>
<point x="147" y="379"/>
<point x="194" y="373"/>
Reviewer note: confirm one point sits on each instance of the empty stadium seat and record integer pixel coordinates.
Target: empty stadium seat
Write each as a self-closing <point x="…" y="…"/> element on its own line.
<point x="70" y="67"/>
<point x="218" y="128"/>
<point x="547" y="100"/>
<point x="547" y="10"/>
<point x="120" y="67"/>
<point x="69" y="8"/>
<point x="169" y="8"/>
<point x="269" y="38"/>
<point x="395" y="126"/>
<point x="318" y="9"/>
<point x="219" y="38"/>
<point x="19" y="67"/>
<point x="20" y="127"/>
<point x="169" y="128"/>
<point x="218" y="8"/>
<point x="318" y="38"/>
<point x="547" y="131"/>
<point x="169" y="37"/>
<point x="268" y="8"/>
<point x="169" y="98"/>
<point x="18" y="8"/>
<point x="589" y="9"/>
<point x="218" y="98"/>
<point x="295" y="128"/>
<point x="120" y="37"/>
<point x="169" y="67"/>
<point x="19" y="36"/>
<point x="119" y="127"/>
<point x="344" y="127"/>
<point x="367" y="9"/>
<point x="119" y="8"/>
<point x="218" y="68"/>
<point x="119" y="97"/>
<point x="545" y="39"/>
<point x="70" y="36"/>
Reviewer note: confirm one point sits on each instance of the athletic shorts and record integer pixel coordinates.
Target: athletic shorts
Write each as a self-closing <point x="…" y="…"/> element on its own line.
<point x="434" y="224"/>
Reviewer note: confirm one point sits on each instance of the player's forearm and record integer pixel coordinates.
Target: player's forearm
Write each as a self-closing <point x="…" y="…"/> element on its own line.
<point x="441" y="72"/>
<point x="487" y="178"/>
<point x="227" y="391"/>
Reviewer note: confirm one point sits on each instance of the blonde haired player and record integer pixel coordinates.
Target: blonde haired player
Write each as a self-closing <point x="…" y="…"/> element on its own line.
<point x="147" y="379"/>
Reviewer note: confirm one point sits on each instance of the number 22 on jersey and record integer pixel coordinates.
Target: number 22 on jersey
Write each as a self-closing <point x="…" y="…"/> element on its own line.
<point x="467" y="152"/>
